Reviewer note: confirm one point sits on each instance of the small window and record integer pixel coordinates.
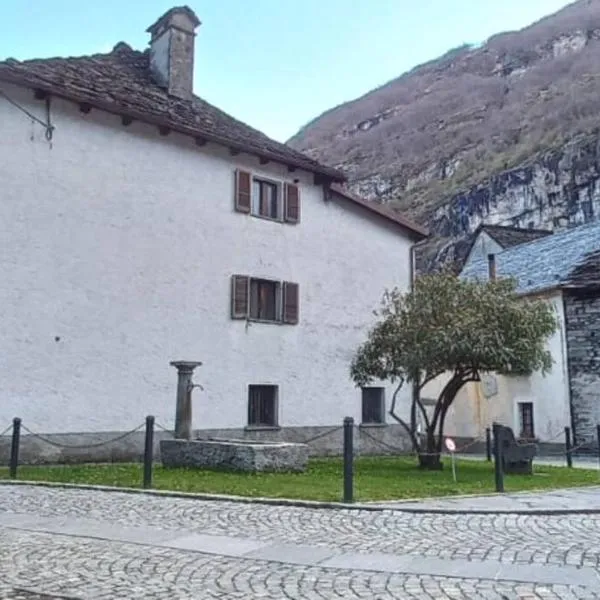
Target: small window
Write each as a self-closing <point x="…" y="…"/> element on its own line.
<point x="526" y="420"/>
<point x="264" y="300"/>
<point x="265" y="199"/>
<point x="373" y="405"/>
<point x="262" y="406"/>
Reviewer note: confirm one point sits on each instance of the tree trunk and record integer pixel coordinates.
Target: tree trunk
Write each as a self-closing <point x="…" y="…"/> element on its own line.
<point x="429" y="462"/>
<point x="430" y="459"/>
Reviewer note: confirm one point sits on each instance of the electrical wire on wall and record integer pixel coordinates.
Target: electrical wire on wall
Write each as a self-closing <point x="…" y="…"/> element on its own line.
<point x="47" y="125"/>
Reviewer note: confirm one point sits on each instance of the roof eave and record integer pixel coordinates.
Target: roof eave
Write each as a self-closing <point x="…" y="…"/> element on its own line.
<point x="325" y="172"/>
<point x="415" y="231"/>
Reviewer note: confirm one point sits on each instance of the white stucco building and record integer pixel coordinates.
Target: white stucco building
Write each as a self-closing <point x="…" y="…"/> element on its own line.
<point x="140" y="225"/>
<point x="562" y="269"/>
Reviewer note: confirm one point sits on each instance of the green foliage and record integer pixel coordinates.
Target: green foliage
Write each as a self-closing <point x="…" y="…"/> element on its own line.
<point x="450" y="324"/>
<point x="376" y="478"/>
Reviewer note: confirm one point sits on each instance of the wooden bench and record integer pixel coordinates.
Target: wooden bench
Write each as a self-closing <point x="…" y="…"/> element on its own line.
<point x="516" y="457"/>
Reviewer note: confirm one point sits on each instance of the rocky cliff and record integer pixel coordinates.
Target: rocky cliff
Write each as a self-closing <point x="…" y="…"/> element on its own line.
<point x="506" y="133"/>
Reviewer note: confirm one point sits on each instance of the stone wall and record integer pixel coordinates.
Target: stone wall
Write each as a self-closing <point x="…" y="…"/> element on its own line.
<point x="368" y="440"/>
<point x="582" y="312"/>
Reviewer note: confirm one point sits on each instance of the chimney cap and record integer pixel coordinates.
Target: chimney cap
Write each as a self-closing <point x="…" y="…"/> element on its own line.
<point x="169" y="18"/>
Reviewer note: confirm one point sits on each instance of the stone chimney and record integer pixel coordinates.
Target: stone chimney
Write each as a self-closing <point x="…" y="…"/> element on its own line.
<point x="172" y="51"/>
<point x="491" y="267"/>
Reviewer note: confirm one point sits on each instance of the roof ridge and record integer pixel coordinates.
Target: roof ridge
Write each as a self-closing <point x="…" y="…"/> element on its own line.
<point x="514" y="228"/>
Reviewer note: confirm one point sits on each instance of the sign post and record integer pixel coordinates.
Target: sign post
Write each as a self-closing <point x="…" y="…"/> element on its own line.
<point x="451" y="447"/>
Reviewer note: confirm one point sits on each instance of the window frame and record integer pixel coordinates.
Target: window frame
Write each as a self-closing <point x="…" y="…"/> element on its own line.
<point x="381" y="410"/>
<point x="278" y="300"/>
<point x="275" y="407"/>
<point x="279" y="200"/>
<point x="522" y="432"/>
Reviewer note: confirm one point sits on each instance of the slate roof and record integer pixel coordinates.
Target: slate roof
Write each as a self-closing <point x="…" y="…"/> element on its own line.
<point x="413" y="228"/>
<point x="508" y="237"/>
<point x="120" y="82"/>
<point x="570" y="258"/>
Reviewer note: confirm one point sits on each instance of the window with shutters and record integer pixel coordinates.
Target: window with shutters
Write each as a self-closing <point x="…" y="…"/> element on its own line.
<point x="265" y="300"/>
<point x="267" y="199"/>
<point x="373" y="406"/>
<point x="526" y="420"/>
<point x="263" y="406"/>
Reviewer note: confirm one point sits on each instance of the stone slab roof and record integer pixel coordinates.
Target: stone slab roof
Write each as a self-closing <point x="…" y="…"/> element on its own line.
<point x="120" y="82"/>
<point x="569" y="258"/>
<point x="508" y="237"/>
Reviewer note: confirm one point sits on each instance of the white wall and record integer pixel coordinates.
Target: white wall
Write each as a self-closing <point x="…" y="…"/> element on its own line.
<point x="116" y="251"/>
<point x="479" y="404"/>
<point x="482" y="247"/>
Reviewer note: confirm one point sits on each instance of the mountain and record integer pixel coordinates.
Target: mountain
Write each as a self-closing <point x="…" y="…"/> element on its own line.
<point x="504" y="133"/>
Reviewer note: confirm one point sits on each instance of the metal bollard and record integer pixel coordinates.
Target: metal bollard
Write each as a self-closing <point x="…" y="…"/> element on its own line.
<point x="14" y="447"/>
<point x="598" y="440"/>
<point x="568" y="447"/>
<point x="348" y="460"/>
<point x="148" y="451"/>
<point x="488" y="444"/>
<point x="498" y="470"/>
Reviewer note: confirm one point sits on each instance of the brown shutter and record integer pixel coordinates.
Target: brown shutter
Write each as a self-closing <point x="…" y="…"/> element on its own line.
<point x="239" y="296"/>
<point x="243" y="191"/>
<point x="290" y="303"/>
<point x="292" y="203"/>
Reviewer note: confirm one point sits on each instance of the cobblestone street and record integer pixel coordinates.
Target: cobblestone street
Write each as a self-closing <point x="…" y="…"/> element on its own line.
<point x="80" y="544"/>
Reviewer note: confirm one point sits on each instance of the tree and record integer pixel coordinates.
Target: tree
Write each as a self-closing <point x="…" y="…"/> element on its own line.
<point x="454" y="327"/>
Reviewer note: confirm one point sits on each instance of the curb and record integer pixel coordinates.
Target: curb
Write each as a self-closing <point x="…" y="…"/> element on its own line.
<point x="316" y="504"/>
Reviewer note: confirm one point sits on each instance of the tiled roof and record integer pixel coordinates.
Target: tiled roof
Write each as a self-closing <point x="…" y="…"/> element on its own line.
<point x="413" y="228"/>
<point x="508" y="237"/>
<point x="562" y="259"/>
<point x="120" y="82"/>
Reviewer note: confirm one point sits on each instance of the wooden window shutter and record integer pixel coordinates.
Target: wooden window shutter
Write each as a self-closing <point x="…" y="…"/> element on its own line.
<point x="291" y="309"/>
<point x="243" y="191"/>
<point x="239" y="296"/>
<point x="292" y="203"/>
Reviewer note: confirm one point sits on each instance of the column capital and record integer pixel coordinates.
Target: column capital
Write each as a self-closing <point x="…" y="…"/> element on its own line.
<point x="185" y="366"/>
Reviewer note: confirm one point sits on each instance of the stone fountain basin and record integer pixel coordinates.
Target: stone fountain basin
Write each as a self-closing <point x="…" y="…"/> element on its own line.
<point x="253" y="456"/>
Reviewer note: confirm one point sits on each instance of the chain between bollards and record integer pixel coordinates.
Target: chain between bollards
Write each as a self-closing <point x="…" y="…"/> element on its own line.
<point x="498" y="467"/>
<point x="148" y="451"/>
<point x="14" y="447"/>
<point x="568" y="447"/>
<point x="348" y="460"/>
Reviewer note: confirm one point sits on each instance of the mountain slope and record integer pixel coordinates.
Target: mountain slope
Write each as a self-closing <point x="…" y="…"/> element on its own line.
<point x="457" y="123"/>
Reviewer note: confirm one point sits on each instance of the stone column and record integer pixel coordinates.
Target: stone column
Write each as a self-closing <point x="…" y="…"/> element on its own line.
<point x="183" y="411"/>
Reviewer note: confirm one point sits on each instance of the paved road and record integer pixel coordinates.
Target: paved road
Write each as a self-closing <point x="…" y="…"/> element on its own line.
<point x="76" y="545"/>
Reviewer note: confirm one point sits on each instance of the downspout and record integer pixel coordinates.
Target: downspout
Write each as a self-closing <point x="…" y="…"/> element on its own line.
<point x="566" y="366"/>
<point x="415" y="384"/>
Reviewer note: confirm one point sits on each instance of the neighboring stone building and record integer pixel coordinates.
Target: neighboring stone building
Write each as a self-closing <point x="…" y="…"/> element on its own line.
<point x="141" y="225"/>
<point x="564" y="269"/>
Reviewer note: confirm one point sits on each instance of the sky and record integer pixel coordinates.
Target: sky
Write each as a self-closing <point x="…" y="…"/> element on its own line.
<point x="275" y="64"/>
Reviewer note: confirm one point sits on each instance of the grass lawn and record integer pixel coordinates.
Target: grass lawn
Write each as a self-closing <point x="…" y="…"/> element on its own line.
<point x="376" y="478"/>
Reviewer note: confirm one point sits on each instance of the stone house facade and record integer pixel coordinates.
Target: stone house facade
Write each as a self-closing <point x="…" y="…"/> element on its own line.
<point x="140" y="225"/>
<point x="564" y="270"/>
